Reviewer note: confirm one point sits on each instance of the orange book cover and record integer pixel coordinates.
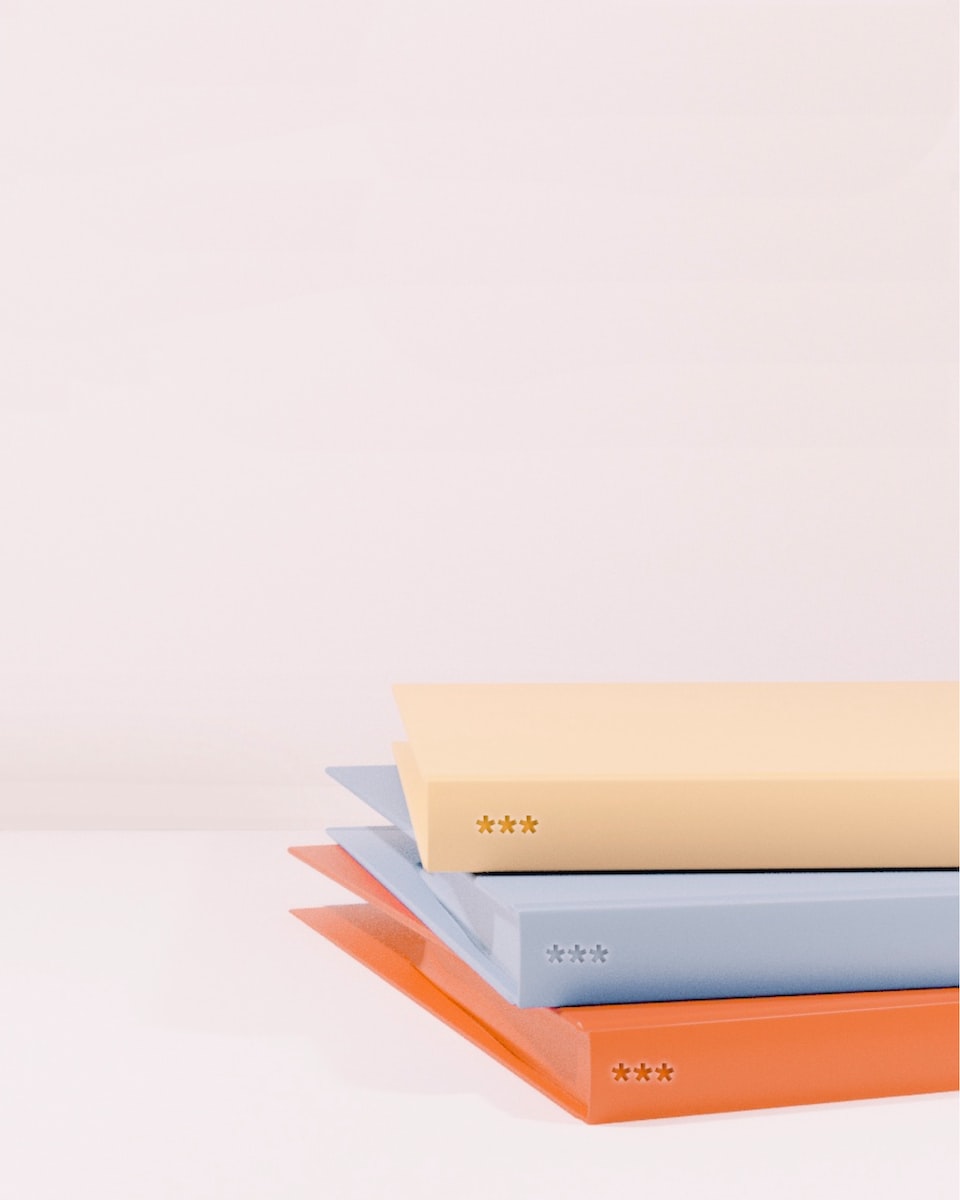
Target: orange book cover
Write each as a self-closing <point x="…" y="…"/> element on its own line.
<point x="625" y="1062"/>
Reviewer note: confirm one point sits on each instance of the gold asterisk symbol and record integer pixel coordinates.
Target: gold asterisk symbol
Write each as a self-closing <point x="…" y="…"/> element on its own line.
<point x="485" y="824"/>
<point x="621" y="1073"/>
<point x="642" y="1072"/>
<point x="507" y="824"/>
<point x="664" y="1073"/>
<point x="528" y="824"/>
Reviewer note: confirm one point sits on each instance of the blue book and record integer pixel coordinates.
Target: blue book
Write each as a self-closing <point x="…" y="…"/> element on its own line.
<point x="551" y="940"/>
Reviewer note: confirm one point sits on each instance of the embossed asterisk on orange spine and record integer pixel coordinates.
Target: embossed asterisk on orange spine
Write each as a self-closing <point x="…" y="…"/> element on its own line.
<point x="681" y="776"/>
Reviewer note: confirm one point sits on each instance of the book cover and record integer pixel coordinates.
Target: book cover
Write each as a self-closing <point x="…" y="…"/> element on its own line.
<point x="681" y="776"/>
<point x="552" y="940"/>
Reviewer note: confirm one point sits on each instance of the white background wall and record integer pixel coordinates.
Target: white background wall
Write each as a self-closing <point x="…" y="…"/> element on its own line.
<point x="348" y="343"/>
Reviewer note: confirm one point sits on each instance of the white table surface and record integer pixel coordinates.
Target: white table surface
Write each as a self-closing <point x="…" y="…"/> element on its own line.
<point x="168" y="1030"/>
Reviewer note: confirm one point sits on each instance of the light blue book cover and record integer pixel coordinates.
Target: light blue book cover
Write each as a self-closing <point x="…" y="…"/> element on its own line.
<point x="610" y="938"/>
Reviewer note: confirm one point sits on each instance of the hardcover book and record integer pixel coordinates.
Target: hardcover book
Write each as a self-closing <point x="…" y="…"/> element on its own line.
<point x="628" y="1061"/>
<point x="681" y="776"/>
<point x="551" y="940"/>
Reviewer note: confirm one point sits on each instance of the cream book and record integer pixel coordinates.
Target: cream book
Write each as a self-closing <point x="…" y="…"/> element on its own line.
<point x="681" y="776"/>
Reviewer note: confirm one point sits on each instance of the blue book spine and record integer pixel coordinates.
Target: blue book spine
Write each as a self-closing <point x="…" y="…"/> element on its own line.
<point x="703" y="951"/>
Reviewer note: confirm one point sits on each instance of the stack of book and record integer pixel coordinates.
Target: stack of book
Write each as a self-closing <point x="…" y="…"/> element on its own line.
<point x="656" y="900"/>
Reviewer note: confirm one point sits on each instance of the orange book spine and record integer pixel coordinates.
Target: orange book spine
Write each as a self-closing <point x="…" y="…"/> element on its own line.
<point x="877" y="1044"/>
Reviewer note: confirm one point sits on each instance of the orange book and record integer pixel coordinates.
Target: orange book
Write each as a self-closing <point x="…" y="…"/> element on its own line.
<point x="624" y="1062"/>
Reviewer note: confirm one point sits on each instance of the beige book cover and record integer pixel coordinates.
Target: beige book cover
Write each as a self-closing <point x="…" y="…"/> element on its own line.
<point x="681" y="776"/>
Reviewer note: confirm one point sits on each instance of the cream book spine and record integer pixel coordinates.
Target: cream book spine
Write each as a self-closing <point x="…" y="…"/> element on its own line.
<point x="681" y="777"/>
